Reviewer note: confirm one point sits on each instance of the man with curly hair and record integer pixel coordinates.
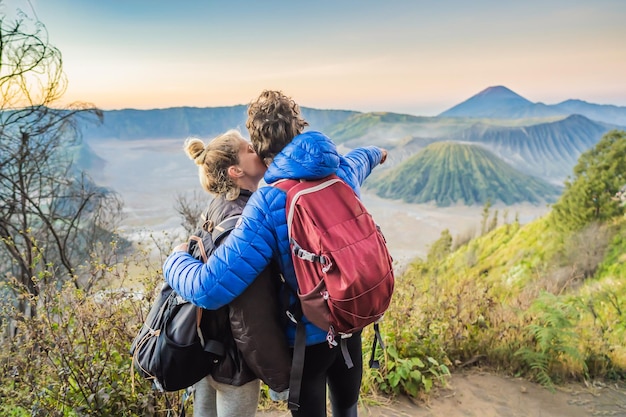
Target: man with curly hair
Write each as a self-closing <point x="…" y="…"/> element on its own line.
<point x="277" y="134"/>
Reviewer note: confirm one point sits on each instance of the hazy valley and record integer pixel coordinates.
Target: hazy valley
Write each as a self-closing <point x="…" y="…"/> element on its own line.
<point x="149" y="174"/>
<point x="139" y="155"/>
<point x="531" y="149"/>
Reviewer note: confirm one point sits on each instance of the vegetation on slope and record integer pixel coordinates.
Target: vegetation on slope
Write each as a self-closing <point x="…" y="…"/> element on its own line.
<point x="540" y="301"/>
<point x="598" y="176"/>
<point x="447" y="173"/>
<point x="524" y="300"/>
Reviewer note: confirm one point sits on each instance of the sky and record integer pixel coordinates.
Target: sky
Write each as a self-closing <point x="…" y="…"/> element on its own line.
<point x="418" y="57"/>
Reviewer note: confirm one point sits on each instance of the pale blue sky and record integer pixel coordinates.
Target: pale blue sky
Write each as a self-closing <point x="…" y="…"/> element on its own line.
<point x="411" y="56"/>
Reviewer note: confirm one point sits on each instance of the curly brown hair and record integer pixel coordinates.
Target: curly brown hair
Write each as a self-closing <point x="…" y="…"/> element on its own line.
<point x="213" y="161"/>
<point x="274" y="119"/>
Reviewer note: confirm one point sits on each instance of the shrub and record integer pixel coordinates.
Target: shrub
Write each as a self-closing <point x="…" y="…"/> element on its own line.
<point x="72" y="358"/>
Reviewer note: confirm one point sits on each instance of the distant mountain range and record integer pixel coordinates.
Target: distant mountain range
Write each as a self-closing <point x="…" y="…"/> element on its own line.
<point x="538" y="140"/>
<point x="501" y="103"/>
<point x="182" y="122"/>
<point x="546" y="150"/>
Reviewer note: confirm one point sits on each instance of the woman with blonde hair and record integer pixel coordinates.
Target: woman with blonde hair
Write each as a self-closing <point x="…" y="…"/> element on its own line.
<point x="230" y="170"/>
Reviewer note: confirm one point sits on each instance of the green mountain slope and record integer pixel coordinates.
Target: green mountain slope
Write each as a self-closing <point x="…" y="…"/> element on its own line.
<point x="545" y="148"/>
<point x="447" y="173"/>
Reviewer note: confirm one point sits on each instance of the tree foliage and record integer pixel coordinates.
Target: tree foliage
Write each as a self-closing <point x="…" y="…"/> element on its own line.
<point x="441" y="247"/>
<point x="598" y="177"/>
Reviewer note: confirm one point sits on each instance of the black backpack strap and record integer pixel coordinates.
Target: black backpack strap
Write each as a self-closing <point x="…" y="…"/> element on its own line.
<point x="374" y="363"/>
<point x="220" y="231"/>
<point x="224" y="228"/>
<point x="214" y="347"/>
<point x="297" y="362"/>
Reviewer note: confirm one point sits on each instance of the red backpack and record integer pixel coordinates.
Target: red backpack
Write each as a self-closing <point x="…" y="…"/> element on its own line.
<point x="344" y="270"/>
<point x="342" y="265"/>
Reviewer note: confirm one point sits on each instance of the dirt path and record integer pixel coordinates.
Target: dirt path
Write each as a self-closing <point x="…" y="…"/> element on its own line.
<point x="477" y="394"/>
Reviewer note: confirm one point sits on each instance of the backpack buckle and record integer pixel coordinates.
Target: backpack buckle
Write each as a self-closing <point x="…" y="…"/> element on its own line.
<point x="291" y="316"/>
<point x="305" y="255"/>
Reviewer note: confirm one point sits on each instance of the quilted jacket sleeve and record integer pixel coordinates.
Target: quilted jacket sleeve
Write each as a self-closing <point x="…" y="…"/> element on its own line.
<point x="234" y="264"/>
<point x="357" y="165"/>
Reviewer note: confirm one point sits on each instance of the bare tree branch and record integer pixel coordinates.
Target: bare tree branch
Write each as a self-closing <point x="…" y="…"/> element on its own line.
<point x="50" y="212"/>
<point x="190" y="209"/>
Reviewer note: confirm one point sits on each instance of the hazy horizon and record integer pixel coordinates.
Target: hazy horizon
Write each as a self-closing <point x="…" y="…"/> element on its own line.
<point x="417" y="58"/>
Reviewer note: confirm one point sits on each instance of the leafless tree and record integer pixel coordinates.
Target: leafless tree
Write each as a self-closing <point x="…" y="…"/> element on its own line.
<point x="51" y="214"/>
<point x="190" y="209"/>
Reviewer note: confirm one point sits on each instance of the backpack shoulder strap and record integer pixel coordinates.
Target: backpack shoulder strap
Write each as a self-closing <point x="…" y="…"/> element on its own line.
<point x="224" y="228"/>
<point x="285" y="184"/>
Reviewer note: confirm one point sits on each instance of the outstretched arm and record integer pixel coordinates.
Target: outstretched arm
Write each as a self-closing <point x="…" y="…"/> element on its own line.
<point x="358" y="164"/>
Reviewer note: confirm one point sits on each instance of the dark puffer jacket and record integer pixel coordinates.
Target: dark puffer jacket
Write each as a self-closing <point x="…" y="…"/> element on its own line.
<point x="258" y="348"/>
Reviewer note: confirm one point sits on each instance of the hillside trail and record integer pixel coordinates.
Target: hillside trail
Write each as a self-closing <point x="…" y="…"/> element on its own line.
<point x="482" y="394"/>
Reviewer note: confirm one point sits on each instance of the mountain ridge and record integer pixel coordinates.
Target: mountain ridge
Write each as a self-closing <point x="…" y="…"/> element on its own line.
<point x="501" y="102"/>
<point x="547" y="150"/>
<point x="544" y="147"/>
<point x="182" y="122"/>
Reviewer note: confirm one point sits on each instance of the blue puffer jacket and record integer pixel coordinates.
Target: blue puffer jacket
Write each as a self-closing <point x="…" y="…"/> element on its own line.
<point x="262" y="235"/>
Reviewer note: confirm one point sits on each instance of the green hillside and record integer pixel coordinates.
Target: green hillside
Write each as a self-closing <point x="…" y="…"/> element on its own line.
<point x="447" y="173"/>
<point x="542" y="147"/>
<point x="546" y="300"/>
<point x="523" y="299"/>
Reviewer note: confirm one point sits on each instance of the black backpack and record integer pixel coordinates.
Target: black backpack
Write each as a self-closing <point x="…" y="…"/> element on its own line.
<point x="178" y="344"/>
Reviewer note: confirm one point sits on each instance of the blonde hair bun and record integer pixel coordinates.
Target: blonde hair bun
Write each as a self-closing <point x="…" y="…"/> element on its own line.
<point x="195" y="150"/>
